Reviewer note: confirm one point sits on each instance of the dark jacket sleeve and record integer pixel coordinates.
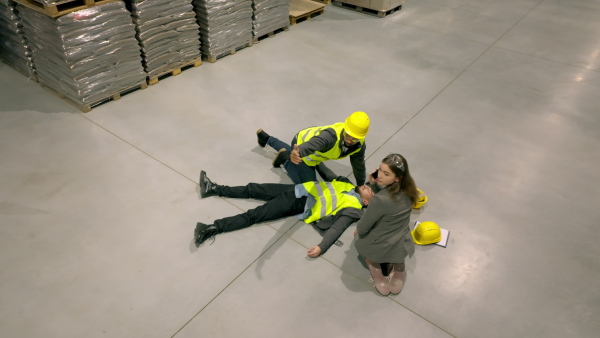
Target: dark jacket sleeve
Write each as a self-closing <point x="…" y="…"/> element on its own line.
<point x="327" y="174"/>
<point x="357" y="161"/>
<point x="374" y="187"/>
<point x="322" y="142"/>
<point x="334" y="226"/>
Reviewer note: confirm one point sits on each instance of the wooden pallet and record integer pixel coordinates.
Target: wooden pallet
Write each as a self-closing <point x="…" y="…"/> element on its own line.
<point x="257" y="39"/>
<point x="301" y="10"/>
<point x="214" y="58"/>
<point x="61" y="7"/>
<point x="174" y="71"/>
<point x="305" y="17"/>
<point x="380" y="14"/>
<point x="327" y="2"/>
<point x="88" y="107"/>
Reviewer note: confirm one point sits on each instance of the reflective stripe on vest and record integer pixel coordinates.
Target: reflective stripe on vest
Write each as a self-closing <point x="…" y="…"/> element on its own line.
<point x="329" y="198"/>
<point x="332" y="154"/>
<point x="310" y="131"/>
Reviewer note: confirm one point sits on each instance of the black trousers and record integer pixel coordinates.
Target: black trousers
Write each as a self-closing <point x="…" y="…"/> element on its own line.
<point x="281" y="202"/>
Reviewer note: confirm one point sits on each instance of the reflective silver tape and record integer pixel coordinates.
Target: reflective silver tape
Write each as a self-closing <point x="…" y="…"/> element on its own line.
<point x="334" y="201"/>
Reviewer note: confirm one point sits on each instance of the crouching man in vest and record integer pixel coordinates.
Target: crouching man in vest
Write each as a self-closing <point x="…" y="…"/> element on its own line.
<point x="313" y="146"/>
<point x="334" y="205"/>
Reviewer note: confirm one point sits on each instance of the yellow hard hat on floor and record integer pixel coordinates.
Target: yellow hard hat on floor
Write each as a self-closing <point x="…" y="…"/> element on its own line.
<point x="422" y="199"/>
<point x="357" y="125"/>
<point x="426" y="233"/>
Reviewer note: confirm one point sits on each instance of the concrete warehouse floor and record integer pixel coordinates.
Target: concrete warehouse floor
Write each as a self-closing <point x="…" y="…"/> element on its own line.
<point x="493" y="103"/>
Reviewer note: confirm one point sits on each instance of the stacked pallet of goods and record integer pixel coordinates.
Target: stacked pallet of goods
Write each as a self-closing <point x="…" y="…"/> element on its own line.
<point x="225" y="26"/>
<point x="304" y="10"/>
<point x="379" y="7"/>
<point x="269" y="16"/>
<point x="14" y="49"/>
<point x="87" y="56"/>
<point x="168" y="35"/>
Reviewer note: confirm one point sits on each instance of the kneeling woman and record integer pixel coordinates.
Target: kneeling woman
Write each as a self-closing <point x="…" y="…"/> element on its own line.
<point x="383" y="231"/>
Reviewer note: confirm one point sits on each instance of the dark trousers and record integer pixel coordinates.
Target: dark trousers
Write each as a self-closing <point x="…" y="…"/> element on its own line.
<point x="299" y="173"/>
<point x="281" y="202"/>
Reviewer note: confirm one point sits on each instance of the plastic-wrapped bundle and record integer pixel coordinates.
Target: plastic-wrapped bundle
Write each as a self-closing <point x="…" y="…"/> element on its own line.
<point x="270" y="15"/>
<point x="48" y="2"/>
<point x="14" y="49"/>
<point x="224" y="24"/>
<point x="87" y="55"/>
<point x="167" y="32"/>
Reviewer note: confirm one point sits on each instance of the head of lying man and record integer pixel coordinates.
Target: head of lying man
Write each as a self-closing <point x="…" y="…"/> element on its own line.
<point x="366" y="193"/>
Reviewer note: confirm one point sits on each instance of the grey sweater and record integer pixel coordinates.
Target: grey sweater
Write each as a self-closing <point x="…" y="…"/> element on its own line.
<point x="383" y="231"/>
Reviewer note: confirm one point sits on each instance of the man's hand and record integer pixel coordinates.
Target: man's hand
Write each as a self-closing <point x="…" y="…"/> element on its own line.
<point x="355" y="232"/>
<point x="314" y="252"/>
<point x="295" y="155"/>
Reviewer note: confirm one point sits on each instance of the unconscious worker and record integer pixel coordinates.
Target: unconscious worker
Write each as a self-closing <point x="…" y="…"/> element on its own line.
<point x="332" y="206"/>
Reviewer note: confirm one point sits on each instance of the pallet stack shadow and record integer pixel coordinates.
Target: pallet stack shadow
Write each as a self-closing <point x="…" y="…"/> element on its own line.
<point x="225" y="26"/>
<point x="88" y="56"/>
<point x="269" y="16"/>
<point x="14" y="48"/>
<point x="168" y="34"/>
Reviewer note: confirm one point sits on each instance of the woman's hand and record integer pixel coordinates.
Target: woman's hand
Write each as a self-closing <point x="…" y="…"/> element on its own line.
<point x="355" y="232"/>
<point x="314" y="252"/>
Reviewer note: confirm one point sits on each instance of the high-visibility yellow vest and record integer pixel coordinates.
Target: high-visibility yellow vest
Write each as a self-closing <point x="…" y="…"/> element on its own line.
<point x="334" y="153"/>
<point x="329" y="198"/>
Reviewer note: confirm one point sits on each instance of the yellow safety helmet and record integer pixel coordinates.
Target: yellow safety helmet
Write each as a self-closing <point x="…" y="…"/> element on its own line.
<point x="357" y="125"/>
<point x="422" y="199"/>
<point x="426" y="233"/>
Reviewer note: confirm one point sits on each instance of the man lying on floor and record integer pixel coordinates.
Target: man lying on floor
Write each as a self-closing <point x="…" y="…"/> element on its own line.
<point x="334" y="205"/>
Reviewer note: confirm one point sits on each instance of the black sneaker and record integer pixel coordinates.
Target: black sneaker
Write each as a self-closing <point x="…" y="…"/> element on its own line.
<point x="282" y="156"/>
<point x="207" y="187"/>
<point x="262" y="137"/>
<point x="204" y="232"/>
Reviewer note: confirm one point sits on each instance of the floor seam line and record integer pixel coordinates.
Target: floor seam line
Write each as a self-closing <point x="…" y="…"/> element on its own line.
<point x="443" y="35"/>
<point x="453" y="80"/>
<point x="548" y="60"/>
<point x="391" y="299"/>
<point x="350" y="274"/>
<point x="229" y="284"/>
<point x="516" y="23"/>
<point x="137" y="148"/>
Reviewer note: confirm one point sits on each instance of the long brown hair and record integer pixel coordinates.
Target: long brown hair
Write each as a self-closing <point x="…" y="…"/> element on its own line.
<point x="406" y="184"/>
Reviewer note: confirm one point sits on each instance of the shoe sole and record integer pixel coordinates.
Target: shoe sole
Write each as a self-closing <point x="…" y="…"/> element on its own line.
<point x="379" y="291"/>
<point x="277" y="157"/>
<point x="258" y="132"/>
<point x="196" y="234"/>
<point x="201" y="183"/>
<point x="197" y="231"/>
<point x="392" y="278"/>
<point x="395" y="293"/>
